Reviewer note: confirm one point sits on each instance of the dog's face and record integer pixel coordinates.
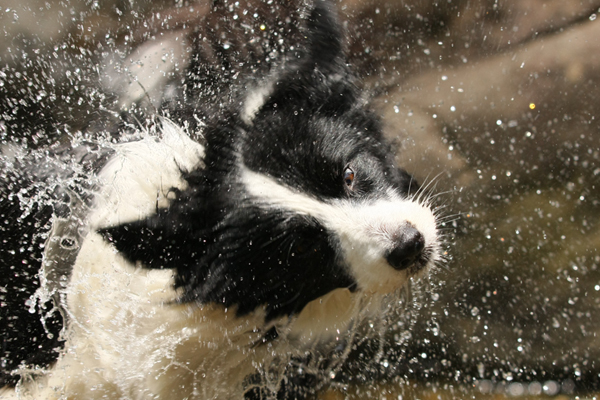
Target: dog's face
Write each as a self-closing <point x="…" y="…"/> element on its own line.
<point x="298" y="196"/>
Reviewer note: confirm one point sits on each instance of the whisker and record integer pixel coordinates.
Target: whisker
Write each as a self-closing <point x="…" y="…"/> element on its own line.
<point x="427" y="188"/>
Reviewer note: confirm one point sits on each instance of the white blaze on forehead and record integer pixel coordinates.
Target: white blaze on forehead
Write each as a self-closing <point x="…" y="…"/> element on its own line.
<point x="366" y="230"/>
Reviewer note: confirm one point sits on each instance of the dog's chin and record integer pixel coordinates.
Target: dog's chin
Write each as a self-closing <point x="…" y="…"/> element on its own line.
<point x="381" y="279"/>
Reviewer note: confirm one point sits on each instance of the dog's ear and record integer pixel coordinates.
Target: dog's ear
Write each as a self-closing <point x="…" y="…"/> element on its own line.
<point x="319" y="81"/>
<point x="325" y="48"/>
<point x="150" y="242"/>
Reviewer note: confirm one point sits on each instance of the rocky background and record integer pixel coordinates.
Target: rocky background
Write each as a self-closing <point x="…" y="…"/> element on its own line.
<point x="494" y="105"/>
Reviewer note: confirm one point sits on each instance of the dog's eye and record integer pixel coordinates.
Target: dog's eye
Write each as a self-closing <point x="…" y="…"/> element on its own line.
<point x="349" y="177"/>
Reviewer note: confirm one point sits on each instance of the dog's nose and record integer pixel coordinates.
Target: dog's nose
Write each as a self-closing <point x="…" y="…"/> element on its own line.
<point x="409" y="245"/>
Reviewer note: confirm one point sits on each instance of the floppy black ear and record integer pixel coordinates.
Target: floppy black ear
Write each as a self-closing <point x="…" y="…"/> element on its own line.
<point x="149" y="242"/>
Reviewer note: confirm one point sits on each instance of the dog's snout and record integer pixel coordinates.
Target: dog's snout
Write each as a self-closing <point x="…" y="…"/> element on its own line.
<point x="408" y="248"/>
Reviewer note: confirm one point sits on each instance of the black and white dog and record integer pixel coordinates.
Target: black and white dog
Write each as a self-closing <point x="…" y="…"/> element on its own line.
<point x="236" y="262"/>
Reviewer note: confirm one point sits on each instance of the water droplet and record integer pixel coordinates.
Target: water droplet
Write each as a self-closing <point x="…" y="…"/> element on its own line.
<point x="516" y="389"/>
<point x="534" y="388"/>
<point x="551" y="388"/>
<point x="31" y="304"/>
<point x="67" y="243"/>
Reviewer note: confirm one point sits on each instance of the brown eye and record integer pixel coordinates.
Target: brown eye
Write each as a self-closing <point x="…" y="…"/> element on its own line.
<point x="349" y="177"/>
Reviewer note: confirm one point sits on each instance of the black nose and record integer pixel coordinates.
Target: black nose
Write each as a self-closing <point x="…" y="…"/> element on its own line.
<point x="409" y="245"/>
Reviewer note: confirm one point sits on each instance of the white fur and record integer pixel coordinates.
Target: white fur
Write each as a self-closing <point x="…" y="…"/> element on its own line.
<point x="137" y="179"/>
<point x="365" y="230"/>
<point x="255" y="100"/>
<point x="126" y="339"/>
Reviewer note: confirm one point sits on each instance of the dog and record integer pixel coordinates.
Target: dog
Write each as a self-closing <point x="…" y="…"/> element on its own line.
<point x="233" y="262"/>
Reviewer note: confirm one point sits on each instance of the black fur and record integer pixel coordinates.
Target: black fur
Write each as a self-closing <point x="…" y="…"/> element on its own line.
<point x="218" y="242"/>
<point x="225" y="247"/>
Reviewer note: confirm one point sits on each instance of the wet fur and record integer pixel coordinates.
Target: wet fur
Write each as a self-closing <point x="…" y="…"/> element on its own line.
<point x="240" y="264"/>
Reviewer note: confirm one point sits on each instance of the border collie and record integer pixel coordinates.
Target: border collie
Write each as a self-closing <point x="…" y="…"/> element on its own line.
<point x="236" y="261"/>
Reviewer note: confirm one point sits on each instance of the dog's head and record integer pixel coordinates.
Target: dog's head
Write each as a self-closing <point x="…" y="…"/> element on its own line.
<point x="298" y="196"/>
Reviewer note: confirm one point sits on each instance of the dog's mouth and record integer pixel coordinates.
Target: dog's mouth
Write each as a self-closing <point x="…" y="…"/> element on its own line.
<point x="421" y="263"/>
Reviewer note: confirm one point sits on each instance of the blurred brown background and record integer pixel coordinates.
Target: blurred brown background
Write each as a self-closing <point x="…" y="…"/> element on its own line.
<point x="501" y="98"/>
